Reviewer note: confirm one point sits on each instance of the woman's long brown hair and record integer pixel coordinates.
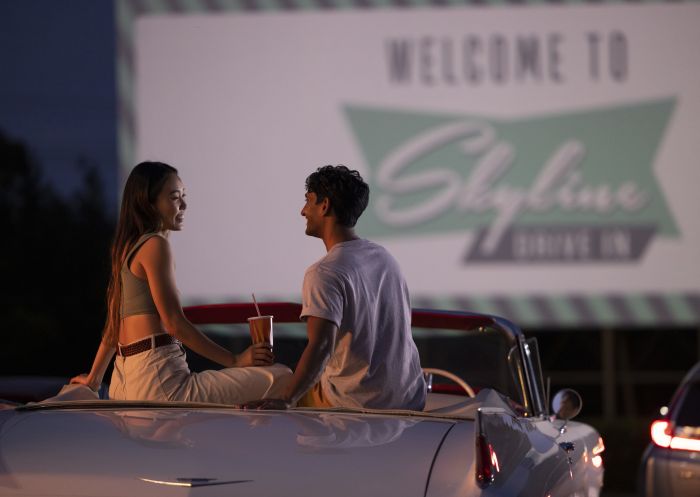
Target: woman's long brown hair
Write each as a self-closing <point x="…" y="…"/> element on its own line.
<point x="138" y="215"/>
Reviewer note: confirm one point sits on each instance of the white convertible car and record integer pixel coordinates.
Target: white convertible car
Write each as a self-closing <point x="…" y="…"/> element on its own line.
<point x="486" y="432"/>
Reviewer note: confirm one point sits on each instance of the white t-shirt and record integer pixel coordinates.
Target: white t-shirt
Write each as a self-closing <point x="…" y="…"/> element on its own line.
<point x="358" y="286"/>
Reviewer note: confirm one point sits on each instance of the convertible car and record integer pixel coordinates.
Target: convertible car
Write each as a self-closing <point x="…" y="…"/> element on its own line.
<point x="487" y="430"/>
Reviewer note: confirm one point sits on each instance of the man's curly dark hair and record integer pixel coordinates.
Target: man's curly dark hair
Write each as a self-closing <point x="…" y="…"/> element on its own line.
<point x="345" y="189"/>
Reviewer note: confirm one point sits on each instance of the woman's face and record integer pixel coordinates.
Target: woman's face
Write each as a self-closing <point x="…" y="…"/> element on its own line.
<point x="171" y="204"/>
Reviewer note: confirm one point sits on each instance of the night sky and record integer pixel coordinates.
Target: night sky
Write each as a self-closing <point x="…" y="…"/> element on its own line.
<point x="57" y="89"/>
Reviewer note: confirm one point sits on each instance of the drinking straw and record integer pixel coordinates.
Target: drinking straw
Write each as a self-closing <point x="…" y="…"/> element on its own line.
<point x="256" y="304"/>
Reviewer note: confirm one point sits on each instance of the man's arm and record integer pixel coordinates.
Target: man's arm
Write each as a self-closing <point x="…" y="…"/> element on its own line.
<point x="322" y="334"/>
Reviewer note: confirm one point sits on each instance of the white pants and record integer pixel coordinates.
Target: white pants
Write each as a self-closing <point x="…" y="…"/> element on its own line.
<point x="162" y="374"/>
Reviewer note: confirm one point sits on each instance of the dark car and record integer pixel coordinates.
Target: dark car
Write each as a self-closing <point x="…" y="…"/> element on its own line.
<point x="671" y="463"/>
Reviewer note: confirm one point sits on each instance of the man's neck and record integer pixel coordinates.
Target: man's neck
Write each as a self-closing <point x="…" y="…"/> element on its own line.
<point x="338" y="234"/>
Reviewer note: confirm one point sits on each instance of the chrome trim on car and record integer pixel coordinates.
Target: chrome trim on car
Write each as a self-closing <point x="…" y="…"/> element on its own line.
<point x="193" y="482"/>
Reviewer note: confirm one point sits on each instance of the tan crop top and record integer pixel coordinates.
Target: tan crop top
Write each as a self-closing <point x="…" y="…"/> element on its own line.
<point x="136" y="295"/>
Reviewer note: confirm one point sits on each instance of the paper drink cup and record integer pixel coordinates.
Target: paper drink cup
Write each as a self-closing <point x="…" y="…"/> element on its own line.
<point x="261" y="329"/>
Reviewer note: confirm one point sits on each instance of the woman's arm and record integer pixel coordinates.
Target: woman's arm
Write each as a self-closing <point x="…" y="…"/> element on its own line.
<point x="157" y="262"/>
<point x="102" y="359"/>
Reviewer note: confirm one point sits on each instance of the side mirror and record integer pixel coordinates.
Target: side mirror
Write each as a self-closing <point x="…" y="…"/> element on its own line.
<point x="566" y="404"/>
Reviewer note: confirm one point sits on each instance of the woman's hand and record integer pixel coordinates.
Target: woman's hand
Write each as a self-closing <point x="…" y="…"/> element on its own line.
<point x="258" y="354"/>
<point x="82" y="379"/>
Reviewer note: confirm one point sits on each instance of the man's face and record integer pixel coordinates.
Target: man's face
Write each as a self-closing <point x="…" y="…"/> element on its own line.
<point x="313" y="212"/>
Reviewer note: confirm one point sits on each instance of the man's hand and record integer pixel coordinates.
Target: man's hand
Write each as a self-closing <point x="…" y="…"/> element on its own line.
<point x="271" y="404"/>
<point x="259" y="354"/>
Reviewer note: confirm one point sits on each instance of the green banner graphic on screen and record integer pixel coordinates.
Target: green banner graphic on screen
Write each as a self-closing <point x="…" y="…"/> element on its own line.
<point x="571" y="187"/>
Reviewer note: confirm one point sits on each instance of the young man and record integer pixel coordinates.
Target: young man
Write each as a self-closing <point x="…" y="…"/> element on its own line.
<point x="356" y="307"/>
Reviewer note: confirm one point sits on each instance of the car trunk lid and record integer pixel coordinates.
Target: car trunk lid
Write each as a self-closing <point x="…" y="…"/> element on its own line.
<point x="216" y="451"/>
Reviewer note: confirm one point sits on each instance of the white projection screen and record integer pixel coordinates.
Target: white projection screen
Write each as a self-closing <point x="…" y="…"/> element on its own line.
<point x="538" y="162"/>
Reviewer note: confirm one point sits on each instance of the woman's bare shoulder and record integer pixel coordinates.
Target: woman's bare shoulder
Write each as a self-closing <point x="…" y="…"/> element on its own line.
<point x="155" y="246"/>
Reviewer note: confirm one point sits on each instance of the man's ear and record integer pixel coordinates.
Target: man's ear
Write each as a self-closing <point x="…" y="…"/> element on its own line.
<point x="326" y="206"/>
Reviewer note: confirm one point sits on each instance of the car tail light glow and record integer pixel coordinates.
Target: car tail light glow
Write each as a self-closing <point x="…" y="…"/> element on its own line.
<point x="659" y="433"/>
<point x="661" y="436"/>
<point x="494" y="459"/>
<point x="486" y="462"/>
<point x="599" y="447"/>
<point x="597" y="460"/>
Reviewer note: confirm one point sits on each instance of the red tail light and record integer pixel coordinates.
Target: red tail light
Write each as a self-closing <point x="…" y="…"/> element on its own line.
<point x="486" y="462"/>
<point x="662" y="435"/>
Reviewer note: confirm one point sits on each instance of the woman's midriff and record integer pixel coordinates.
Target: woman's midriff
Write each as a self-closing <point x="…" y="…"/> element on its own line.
<point x="138" y="327"/>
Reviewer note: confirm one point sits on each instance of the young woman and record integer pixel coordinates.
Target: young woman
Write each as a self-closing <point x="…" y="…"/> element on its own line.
<point x="145" y="323"/>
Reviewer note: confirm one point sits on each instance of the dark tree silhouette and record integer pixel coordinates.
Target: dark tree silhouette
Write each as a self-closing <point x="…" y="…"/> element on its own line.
<point x="54" y="267"/>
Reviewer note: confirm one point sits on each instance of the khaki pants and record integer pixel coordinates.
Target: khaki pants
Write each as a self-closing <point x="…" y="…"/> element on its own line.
<point x="163" y="374"/>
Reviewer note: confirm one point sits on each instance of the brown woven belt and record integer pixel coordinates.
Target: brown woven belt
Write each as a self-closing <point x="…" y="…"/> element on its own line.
<point x="145" y="344"/>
